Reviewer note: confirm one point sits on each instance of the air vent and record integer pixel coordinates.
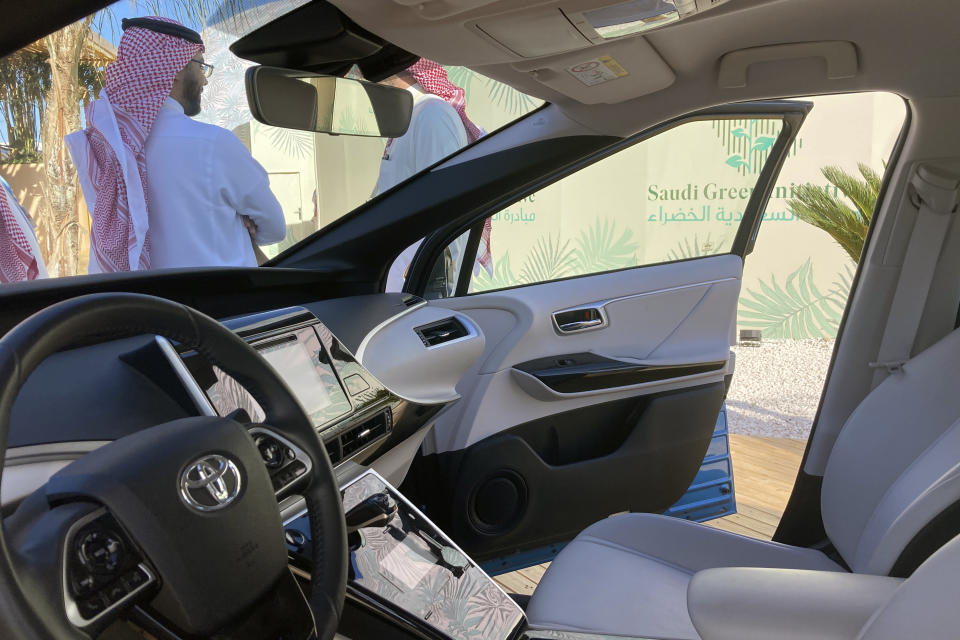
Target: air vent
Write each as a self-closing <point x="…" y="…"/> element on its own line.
<point x="441" y="331"/>
<point x="410" y="300"/>
<point x="333" y="450"/>
<point x="356" y="438"/>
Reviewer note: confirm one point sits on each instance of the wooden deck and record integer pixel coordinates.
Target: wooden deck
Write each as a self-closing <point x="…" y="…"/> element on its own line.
<point x="763" y="473"/>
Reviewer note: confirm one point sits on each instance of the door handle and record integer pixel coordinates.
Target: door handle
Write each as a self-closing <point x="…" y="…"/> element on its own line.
<point x="580" y="325"/>
<point x="579" y="319"/>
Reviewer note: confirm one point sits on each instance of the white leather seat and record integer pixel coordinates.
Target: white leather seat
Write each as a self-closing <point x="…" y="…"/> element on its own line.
<point x="895" y="466"/>
<point x="628" y="575"/>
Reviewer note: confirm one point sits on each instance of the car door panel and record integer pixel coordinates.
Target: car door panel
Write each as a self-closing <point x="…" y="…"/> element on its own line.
<point x="594" y="394"/>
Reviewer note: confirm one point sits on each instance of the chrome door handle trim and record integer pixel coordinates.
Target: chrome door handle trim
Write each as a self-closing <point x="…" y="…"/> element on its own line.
<point x="571" y="327"/>
<point x="597" y="320"/>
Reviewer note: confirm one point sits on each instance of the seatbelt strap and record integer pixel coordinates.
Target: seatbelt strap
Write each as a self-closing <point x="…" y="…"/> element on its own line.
<point x="935" y="196"/>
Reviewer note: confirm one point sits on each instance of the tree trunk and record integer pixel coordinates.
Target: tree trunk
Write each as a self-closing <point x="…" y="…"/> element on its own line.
<point x="59" y="226"/>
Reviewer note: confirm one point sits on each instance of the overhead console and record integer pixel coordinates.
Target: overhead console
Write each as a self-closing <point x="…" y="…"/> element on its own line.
<point x="653" y="12"/>
<point x="575" y="25"/>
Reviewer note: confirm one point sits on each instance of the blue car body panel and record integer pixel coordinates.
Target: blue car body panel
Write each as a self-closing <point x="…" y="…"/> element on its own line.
<point x="711" y="493"/>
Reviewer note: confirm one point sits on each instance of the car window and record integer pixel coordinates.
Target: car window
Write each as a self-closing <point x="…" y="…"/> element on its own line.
<point x="137" y="181"/>
<point x="626" y="210"/>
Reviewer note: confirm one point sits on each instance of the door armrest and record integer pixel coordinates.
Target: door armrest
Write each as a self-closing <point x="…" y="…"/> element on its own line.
<point x="784" y="604"/>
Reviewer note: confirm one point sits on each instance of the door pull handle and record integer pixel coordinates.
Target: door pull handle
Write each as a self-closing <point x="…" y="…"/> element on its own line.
<point x="580" y="325"/>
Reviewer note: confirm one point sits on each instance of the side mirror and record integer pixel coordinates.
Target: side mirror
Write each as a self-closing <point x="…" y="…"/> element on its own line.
<point x="327" y="104"/>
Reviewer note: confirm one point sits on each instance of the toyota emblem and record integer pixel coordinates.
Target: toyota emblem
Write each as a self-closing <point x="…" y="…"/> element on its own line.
<point x="210" y="483"/>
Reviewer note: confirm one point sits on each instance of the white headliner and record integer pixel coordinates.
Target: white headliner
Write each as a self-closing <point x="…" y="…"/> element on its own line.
<point x="906" y="48"/>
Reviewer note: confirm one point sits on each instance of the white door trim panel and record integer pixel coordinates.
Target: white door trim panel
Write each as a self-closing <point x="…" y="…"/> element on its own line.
<point x="676" y="313"/>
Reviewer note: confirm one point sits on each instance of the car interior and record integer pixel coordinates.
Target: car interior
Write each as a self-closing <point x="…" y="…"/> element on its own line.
<point x="291" y="452"/>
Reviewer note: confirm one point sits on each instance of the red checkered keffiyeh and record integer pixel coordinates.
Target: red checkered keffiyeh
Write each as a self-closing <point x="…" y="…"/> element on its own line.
<point x="109" y="153"/>
<point x="17" y="261"/>
<point x="433" y="78"/>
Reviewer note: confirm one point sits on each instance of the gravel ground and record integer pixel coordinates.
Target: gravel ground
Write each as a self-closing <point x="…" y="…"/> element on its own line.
<point x="776" y="387"/>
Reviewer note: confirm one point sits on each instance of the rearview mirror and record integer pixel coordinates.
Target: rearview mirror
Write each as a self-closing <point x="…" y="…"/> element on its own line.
<point x="327" y="104"/>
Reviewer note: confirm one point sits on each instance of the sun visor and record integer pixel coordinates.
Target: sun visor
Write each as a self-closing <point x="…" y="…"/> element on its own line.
<point x="319" y="38"/>
<point x="603" y="74"/>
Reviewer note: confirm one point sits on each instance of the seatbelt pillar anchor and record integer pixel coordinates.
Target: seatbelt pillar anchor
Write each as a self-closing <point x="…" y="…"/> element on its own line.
<point x="935" y="189"/>
<point x="894" y="366"/>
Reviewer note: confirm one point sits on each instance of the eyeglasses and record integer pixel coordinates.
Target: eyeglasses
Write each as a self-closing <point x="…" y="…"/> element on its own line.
<point x="207" y="68"/>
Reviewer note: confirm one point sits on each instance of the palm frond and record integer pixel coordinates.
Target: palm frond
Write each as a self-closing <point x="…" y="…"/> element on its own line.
<point x="855" y="189"/>
<point x="872" y="178"/>
<point x="796" y="310"/>
<point x="548" y="260"/>
<point x="825" y="211"/>
<point x="602" y="248"/>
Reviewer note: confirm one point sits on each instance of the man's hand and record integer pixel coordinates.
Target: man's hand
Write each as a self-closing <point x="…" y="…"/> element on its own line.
<point x="252" y="230"/>
<point x="250" y="225"/>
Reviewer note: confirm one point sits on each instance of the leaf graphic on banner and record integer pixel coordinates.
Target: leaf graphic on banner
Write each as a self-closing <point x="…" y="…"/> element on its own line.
<point x="503" y="275"/>
<point x="509" y="99"/>
<point x="735" y="161"/>
<point x="739" y="133"/>
<point x="685" y="249"/>
<point x="796" y="310"/>
<point x="295" y="144"/>
<point x="602" y="248"/>
<point x="548" y="260"/>
<point x="763" y="143"/>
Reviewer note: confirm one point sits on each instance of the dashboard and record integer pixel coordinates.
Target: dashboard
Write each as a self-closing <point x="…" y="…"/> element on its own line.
<point x="376" y="383"/>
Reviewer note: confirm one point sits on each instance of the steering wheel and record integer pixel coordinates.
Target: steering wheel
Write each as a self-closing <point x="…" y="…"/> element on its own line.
<point x="178" y="522"/>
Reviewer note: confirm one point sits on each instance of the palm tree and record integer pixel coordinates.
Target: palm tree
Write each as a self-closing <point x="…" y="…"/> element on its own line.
<point x="60" y="227"/>
<point x="847" y="226"/>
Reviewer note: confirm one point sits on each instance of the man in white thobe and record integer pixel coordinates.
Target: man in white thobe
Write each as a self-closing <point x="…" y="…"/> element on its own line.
<point x="163" y="189"/>
<point x="439" y="127"/>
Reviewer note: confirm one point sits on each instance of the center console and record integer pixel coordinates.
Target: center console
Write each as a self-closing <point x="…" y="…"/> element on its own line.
<point x="404" y="568"/>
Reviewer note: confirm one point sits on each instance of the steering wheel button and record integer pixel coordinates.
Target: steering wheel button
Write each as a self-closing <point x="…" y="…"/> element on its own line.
<point x="84" y="585"/>
<point x="134" y="579"/>
<point x="100" y="552"/>
<point x="116" y="592"/>
<point x="297" y="469"/>
<point x="92" y="607"/>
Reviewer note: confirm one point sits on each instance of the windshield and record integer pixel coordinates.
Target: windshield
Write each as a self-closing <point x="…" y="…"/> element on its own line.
<point x="129" y="145"/>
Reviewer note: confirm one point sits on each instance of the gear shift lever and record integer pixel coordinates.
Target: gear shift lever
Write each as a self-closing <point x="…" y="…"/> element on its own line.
<point x="375" y="511"/>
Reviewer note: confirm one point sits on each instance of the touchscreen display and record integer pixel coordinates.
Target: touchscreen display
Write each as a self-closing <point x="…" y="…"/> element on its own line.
<point x="303" y="365"/>
<point x="313" y="382"/>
